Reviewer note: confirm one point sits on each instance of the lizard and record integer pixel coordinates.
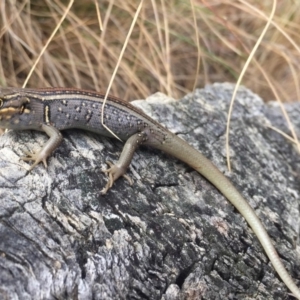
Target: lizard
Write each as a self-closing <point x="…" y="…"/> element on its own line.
<point x="52" y="110"/>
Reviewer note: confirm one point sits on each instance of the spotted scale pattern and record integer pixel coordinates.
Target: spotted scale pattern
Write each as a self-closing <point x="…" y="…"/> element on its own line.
<point x="72" y="108"/>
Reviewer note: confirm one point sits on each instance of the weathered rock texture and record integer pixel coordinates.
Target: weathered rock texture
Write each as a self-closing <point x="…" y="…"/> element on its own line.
<point x="169" y="236"/>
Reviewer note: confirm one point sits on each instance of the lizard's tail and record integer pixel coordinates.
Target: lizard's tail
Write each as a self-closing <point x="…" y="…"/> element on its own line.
<point x="178" y="148"/>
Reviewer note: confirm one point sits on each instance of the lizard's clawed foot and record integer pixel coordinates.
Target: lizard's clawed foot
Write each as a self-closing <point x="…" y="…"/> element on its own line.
<point x="36" y="157"/>
<point x="114" y="172"/>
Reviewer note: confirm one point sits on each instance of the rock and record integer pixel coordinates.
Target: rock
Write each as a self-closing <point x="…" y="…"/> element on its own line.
<point x="171" y="235"/>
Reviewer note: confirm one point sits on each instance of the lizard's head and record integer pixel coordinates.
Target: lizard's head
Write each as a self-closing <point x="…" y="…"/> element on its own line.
<point x="12" y="104"/>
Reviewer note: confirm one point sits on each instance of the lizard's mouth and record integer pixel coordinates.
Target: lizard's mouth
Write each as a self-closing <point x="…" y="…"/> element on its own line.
<point x="7" y="112"/>
<point x="11" y="108"/>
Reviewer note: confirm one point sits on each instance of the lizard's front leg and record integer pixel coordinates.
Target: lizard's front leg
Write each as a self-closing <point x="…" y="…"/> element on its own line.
<point x="119" y="168"/>
<point x="55" y="138"/>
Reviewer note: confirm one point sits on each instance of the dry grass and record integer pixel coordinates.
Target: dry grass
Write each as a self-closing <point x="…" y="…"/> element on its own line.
<point x="162" y="52"/>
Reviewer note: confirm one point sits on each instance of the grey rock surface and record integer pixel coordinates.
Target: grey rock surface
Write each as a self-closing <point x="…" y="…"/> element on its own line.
<point x="171" y="235"/>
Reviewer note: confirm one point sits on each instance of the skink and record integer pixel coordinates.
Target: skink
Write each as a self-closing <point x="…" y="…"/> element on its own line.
<point x="54" y="109"/>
